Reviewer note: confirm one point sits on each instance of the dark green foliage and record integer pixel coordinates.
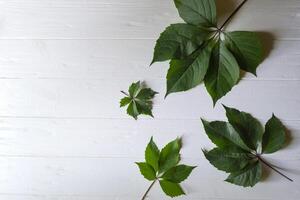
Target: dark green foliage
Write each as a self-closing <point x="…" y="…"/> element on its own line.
<point x="240" y="145"/>
<point x="163" y="166"/>
<point x="139" y="100"/>
<point x="201" y="51"/>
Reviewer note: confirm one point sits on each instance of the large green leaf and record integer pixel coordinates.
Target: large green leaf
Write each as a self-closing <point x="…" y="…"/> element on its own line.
<point x="248" y="176"/>
<point x="240" y="144"/>
<point x="223" y="134"/>
<point x="223" y="72"/>
<point x="147" y="171"/>
<point x="178" y="41"/>
<point x="178" y="173"/>
<point x="249" y="128"/>
<point x="139" y="100"/>
<point x="171" y="189"/>
<point x="169" y="155"/>
<point x="152" y="154"/>
<point x="228" y="160"/>
<point x="186" y="74"/>
<point x="274" y="137"/>
<point x="197" y="12"/>
<point x="247" y="49"/>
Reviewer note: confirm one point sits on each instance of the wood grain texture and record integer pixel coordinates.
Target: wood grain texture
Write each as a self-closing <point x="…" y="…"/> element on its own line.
<point x="62" y="66"/>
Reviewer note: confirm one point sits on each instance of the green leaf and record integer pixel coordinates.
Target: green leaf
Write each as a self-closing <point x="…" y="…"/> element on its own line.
<point x="197" y="12"/>
<point x="186" y="74"/>
<point x="223" y="134"/>
<point x="228" y="160"/>
<point x="249" y="128"/>
<point x="171" y="189"/>
<point x="223" y="72"/>
<point x="248" y="176"/>
<point x="247" y="49"/>
<point x="147" y="171"/>
<point x="274" y="137"/>
<point x="169" y="155"/>
<point x="178" y="41"/>
<point x="125" y="101"/>
<point x="178" y="174"/>
<point x="152" y="155"/>
<point x="139" y="100"/>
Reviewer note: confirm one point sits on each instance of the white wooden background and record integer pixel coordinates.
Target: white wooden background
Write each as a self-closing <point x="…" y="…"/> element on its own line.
<point x="62" y="133"/>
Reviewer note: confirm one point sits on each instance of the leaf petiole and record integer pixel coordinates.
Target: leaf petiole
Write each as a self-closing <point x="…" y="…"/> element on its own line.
<point x="232" y="15"/>
<point x="148" y="190"/>
<point x="271" y="167"/>
<point x="125" y="93"/>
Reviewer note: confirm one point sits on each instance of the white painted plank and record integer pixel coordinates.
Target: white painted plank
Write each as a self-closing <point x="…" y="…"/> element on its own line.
<point x="131" y="18"/>
<point x="98" y="59"/>
<point x="120" y="179"/>
<point x="103" y="138"/>
<point x="100" y="99"/>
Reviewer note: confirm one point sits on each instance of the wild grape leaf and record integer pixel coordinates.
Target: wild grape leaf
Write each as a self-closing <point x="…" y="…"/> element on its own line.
<point x="201" y="12"/>
<point x="186" y="74"/>
<point x="178" y="173"/>
<point x="223" y="72"/>
<point x="178" y="41"/>
<point x="147" y="171"/>
<point x="163" y="166"/>
<point x="201" y="51"/>
<point x="139" y="100"/>
<point x="230" y="159"/>
<point x="248" y="176"/>
<point x="152" y="154"/>
<point x="171" y="189"/>
<point x="274" y="137"/>
<point x="223" y="134"/>
<point x="169" y="155"/>
<point x="249" y="128"/>
<point x="247" y="49"/>
<point x="239" y="143"/>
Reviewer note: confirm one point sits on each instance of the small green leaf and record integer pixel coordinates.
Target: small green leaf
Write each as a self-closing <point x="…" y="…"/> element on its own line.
<point x="186" y="74"/>
<point x="249" y="128"/>
<point x="139" y="100"/>
<point x="248" y="176"/>
<point x="169" y="155"/>
<point x="147" y="171"/>
<point x="197" y="12"/>
<point x="178" y="41"/>
<point x="223" y="134"/>
<point x="171" y="189"/>
<point x="274" y="137"/>
<point x="178" y="174"/>
<point x="134" y="89"/>
<point x="247" y="49"/>
<point x="152" y="154"/>
<point x="228" y="160"/>
<point x="125" y="101"/>
<point x="223" y="72"/>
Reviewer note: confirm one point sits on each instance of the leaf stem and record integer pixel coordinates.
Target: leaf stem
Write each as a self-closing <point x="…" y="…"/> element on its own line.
<point x="232" y="15"/>
<point x="270" y="166"/>
<point x="125" y="93"/>
<point x="148" y="190"/>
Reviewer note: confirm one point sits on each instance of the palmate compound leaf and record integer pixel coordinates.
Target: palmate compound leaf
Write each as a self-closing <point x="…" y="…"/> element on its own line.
<point x="199" y="52"/>
<point x="163" y="166"/>
<point x="239" y="144"/>
<point x="139" y="100"/>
